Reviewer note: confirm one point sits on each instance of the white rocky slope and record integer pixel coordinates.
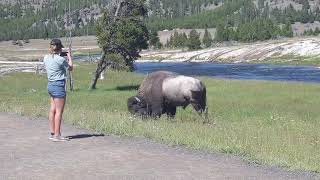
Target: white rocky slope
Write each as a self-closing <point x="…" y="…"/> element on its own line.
<point x="242" y="52"/>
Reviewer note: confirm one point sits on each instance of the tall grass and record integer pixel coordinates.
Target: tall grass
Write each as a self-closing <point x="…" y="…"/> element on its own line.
<point x="275" y="123"/>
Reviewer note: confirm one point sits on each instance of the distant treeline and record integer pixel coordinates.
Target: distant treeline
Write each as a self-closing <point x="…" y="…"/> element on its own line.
<point x="235" y="12"/>
<point x="180" y="8"/>
<point x="191" y="41"/>
<point x="242" y="20"/>
<point x="25" y="21"/>
<point x="239" y="20"/>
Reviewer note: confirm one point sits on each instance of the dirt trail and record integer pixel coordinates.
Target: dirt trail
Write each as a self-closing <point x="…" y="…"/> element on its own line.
<point x="26" y="153"/>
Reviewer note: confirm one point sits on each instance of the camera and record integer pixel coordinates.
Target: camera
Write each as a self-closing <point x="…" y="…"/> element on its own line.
<point x="63" y="54"/>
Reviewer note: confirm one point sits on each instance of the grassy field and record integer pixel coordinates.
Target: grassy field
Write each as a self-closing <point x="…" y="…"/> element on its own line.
<point x="274" y="123"/>
<point x="293" y="60"/>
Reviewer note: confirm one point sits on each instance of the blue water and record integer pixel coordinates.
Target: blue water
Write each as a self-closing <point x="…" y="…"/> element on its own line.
<point x="231" y="71"/>
<point x="237" y="71"/>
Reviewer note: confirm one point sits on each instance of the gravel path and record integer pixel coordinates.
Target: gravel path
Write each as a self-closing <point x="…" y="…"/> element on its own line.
<point x="26" y="153"/>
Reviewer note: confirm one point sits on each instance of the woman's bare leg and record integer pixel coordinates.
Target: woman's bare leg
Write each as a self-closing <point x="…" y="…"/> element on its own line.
<point x="52" y="113"/>
<point x="59" y="103"/>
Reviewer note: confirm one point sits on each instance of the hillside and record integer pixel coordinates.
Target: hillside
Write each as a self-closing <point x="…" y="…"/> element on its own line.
<point x="304" y="50"/>
<point x="25" y="19"/>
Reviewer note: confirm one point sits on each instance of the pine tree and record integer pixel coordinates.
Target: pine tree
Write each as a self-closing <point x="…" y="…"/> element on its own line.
<point x="287" y="30"/>
<point x="194" y="40"/>
<point x="154" y="40"/>
<point x="183" y="40"/>
<point x="175" y="39"/>
<point x="207" y="38"/>
<point x="122" y="34"/>
<point x="305" y="15"/>
<point x="222" y="34"/>
<point x="316" y="31"/>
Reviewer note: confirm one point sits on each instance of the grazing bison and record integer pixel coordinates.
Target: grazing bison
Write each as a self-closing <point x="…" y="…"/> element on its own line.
<point x="162" y="91"/>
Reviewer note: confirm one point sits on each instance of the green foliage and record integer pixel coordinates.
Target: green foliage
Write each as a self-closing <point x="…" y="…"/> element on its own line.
<point x="258" y="29"/>
<point x="181" y="40"/>
<point x="316" y="32"/>
<point x="125" y="34"/>
<point x="154" y="40"/>
<point x="207" y="38"/>
<point x="286" y="31"/>
<point x="121" y="32"/>
<point x="178" y="40"/>
<point x="212" y="19"/>
<point x="292" y="15"/>
<point x="179" y="8"/>
<point x="194" y="42"/>
<point x="241" y="20"/>
<point x="117" y="62"/>
<point x="222" y="34"/>
<point x="311" y="32"/>
<point x="24" y="21"/>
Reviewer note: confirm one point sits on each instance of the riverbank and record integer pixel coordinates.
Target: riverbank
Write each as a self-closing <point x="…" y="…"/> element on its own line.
<point x="284" y="51"/>
<point x="247" y="118"/>
<point x="298" y="50"/>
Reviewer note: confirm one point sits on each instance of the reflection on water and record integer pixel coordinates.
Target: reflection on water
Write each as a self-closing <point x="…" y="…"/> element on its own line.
<point x="237" y="71"/>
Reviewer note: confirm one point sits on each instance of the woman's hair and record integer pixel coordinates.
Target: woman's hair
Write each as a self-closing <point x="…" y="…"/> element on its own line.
<point x="55" y="46"/>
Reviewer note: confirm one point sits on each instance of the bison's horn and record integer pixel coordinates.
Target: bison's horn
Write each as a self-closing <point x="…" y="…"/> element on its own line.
<point x="137" y="99"/>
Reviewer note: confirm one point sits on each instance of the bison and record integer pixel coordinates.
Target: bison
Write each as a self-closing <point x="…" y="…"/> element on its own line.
<point x="161" y="92"/>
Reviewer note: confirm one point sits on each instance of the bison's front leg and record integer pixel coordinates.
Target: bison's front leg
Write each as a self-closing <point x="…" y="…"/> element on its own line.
<point x="157" y="106"/>
<point x="156" y="110"/>
<point x="170" y="110"/>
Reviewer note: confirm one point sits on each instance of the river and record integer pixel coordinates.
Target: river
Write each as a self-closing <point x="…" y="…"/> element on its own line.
<point x="232" y="71"/>
<point x="237" y="71"/>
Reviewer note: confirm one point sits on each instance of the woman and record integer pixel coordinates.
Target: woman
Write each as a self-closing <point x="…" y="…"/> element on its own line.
<point x="56" y="67"/>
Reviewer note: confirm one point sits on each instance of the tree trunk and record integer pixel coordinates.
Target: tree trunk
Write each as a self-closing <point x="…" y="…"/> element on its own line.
<point x="101" y="67"/>
<point x="102" y="63"/>
<point x="70" y="80"/>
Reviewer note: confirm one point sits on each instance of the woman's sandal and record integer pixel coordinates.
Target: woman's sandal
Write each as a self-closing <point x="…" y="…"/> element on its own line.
<point x="60" y="139"/>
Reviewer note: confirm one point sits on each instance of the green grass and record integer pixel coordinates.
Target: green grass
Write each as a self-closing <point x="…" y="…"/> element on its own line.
<point x="273" y="123"/>
<point x="293" y="60"/>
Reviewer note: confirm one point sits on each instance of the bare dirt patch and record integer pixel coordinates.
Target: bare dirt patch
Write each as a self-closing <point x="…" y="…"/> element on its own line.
<point x="37" y="48"/>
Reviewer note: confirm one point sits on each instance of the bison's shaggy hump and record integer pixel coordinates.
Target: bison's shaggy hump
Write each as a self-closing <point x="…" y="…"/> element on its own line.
<point x="153" y="82"/>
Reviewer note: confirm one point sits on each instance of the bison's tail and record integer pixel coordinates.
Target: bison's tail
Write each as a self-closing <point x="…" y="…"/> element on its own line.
<point x="204" y="97"/>
<point x="205" y="104"/>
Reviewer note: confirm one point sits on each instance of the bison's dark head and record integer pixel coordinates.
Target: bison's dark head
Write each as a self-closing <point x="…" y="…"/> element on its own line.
<point x="137" y="105"/>
<point x="199" y="100"/>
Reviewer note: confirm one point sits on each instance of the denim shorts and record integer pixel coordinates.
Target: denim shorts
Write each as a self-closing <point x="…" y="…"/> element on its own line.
<point x="57" y="89"/>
